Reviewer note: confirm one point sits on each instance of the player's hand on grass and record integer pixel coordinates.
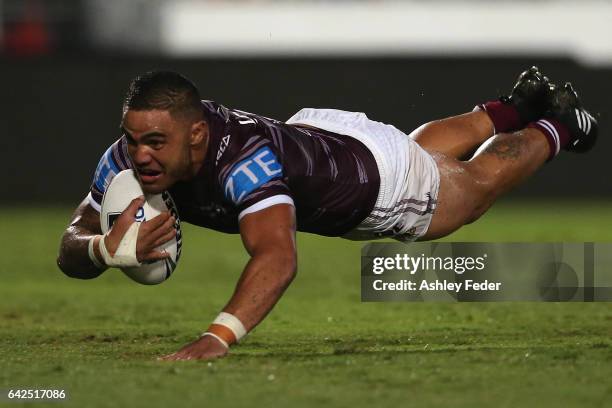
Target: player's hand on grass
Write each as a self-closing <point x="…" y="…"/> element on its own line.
<point x="152" y="233"/>
<point x="205" y="348"/>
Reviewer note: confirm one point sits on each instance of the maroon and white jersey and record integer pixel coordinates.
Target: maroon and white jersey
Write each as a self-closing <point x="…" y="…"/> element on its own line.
<point x="254" y="162"/>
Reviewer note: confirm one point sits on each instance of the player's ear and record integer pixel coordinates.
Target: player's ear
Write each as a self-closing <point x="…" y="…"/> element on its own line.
<point x="199" y="131"/>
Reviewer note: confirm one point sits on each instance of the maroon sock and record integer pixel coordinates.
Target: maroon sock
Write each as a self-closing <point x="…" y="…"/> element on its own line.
<point x="556" y="133"/>
<point x="504" y="116"/>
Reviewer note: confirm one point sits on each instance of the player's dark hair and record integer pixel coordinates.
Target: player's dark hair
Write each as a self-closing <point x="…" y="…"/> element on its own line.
<point x="164" y="90"/>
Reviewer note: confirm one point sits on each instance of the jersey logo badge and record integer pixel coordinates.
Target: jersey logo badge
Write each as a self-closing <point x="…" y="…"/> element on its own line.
<point x="251" y="173"/>
<point x="222" y="146"/>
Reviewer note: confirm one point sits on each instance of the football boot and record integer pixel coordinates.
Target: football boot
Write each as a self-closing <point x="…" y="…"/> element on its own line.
<point x="565" y="106"/>
<point x="529" y="95"/>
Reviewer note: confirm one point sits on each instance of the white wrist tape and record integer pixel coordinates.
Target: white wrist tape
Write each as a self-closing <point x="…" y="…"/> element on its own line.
<point x="233" y="323"/>
<point x="91" y="253"/>
<point x="125" y="256"/>
<point x="216" y="337"/>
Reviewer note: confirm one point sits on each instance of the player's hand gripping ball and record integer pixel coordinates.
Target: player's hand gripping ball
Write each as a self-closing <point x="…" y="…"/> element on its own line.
<point x="124" y="188"/>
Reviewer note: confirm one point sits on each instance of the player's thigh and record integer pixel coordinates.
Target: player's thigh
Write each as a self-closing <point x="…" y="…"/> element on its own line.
<point x="457" y="136"/>
<point x="460" y="196"/>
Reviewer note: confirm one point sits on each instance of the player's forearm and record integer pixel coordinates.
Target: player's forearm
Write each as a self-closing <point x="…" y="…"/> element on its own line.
<point x="261" y="285"/>
<point x="73" y="258"/>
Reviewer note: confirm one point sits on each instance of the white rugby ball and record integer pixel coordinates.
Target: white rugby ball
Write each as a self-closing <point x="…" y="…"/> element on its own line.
<point x="123" y="188"/>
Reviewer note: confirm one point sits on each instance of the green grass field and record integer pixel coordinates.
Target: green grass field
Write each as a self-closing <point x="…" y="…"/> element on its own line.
<point x="321" y="346"/>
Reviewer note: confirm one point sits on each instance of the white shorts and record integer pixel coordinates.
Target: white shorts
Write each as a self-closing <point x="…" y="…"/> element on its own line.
<point x="409" y="177"/>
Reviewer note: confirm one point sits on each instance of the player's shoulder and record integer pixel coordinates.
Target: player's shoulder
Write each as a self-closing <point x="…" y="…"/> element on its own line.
<point x="114" y="160"/>
<point x="246" y="143"/>
<point x="246" y="161"/>
<point x="247" y="158"/>
<point x="240" y="142"/>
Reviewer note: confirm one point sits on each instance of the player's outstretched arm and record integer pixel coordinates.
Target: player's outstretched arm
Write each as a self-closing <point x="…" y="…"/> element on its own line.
<point x="74" y="258"/>
<point x="269" y="237"/>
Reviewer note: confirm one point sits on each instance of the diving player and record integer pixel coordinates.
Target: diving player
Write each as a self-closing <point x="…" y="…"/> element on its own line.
<point x="323" y="171"/>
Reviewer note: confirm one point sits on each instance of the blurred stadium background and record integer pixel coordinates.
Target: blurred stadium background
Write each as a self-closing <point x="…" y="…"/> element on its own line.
<point x="65" y="65"/>
<point x="64" y="68"/>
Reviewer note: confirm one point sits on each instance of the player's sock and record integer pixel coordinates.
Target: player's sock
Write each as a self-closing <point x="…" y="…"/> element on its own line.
<point x="556" y="133"/>
<point x="505" y="116"/>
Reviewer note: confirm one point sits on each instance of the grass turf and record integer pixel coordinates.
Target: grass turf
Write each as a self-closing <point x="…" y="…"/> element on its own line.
<point x="320" y="346"/>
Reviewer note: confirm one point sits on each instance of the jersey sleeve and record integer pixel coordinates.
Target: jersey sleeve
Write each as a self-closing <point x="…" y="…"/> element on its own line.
<point x="256" y="180"/>
<point x="113" y="161"/>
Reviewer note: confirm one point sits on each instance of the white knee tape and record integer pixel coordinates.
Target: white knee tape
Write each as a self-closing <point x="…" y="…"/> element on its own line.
<point x="125" y="256"/>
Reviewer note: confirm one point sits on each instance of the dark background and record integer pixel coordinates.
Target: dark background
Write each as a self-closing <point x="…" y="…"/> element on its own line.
<point x="59" y="114"/>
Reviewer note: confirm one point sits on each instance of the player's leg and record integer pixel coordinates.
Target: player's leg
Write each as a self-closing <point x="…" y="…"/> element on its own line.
<point x="468" y="189"/>
<point x="459" y="136"/>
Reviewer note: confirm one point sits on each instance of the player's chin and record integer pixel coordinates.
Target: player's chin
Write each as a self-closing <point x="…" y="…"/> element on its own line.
<point x="154" y="184"/>
<point x="151" y="189"/>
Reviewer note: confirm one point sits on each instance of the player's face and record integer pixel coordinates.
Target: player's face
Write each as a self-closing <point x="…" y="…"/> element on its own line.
<point x="159" y="146"/>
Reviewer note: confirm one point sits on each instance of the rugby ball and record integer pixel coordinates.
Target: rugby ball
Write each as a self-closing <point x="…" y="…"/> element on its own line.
<point x="123" y="188"/>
